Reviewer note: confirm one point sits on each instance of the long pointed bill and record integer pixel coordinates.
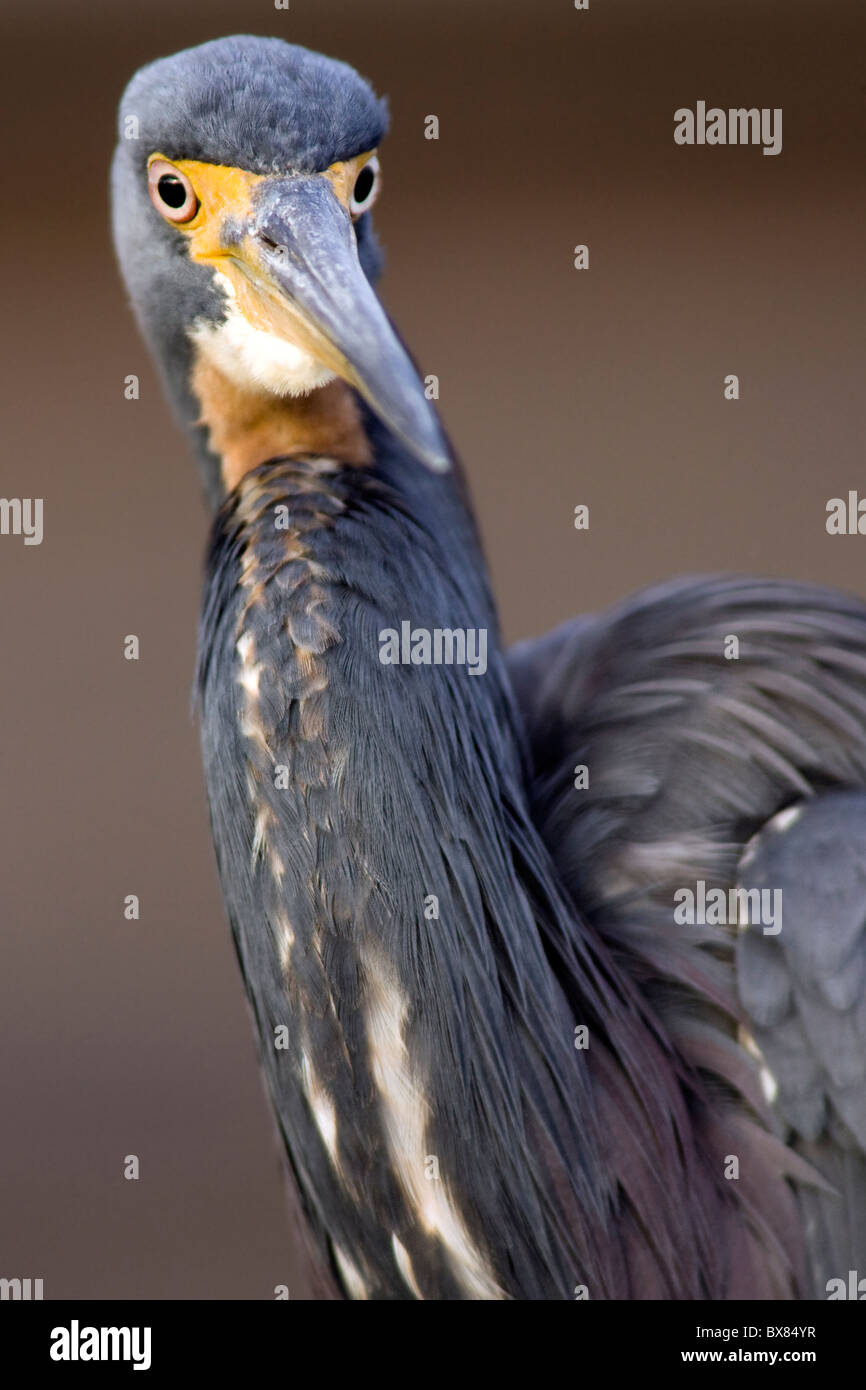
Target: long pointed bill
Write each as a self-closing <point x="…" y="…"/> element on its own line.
<point x="302" y="280"/>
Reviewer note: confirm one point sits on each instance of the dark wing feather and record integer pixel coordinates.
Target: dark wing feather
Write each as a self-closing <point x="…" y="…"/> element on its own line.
<point x="689" y="754"/>
<point x="805" y="991"/>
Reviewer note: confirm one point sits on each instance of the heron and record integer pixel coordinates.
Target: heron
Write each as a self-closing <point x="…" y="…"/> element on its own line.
<point x="557" y="962"/>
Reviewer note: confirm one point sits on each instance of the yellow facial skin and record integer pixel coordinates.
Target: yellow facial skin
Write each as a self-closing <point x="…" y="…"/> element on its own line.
<point x="300" y="308"/>
<point x="225" y="195"/>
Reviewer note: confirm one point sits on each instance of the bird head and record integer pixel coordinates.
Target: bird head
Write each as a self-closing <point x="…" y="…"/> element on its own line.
<point x="242" y="185"/>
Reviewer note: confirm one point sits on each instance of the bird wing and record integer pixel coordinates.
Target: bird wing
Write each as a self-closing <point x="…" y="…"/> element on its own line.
<point x="803" y="985"/>
<point x="664" y="738"/>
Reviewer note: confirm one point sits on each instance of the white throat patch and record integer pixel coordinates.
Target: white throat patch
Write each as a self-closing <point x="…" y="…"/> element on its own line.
<point x="250" y="357"/>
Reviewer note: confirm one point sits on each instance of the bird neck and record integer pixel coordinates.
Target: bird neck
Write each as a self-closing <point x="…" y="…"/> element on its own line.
<point x="416" y="970"/>
<point x="247" y="425"/>
<point x="384" y="883"/>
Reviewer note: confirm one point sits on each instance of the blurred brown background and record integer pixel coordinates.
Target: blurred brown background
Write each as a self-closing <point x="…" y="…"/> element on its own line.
<point x="558" y="387"/>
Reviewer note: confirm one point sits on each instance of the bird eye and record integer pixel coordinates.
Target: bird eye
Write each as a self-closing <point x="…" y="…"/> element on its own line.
<point x="366" y="188"/>
<point x="171" y="192"/>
